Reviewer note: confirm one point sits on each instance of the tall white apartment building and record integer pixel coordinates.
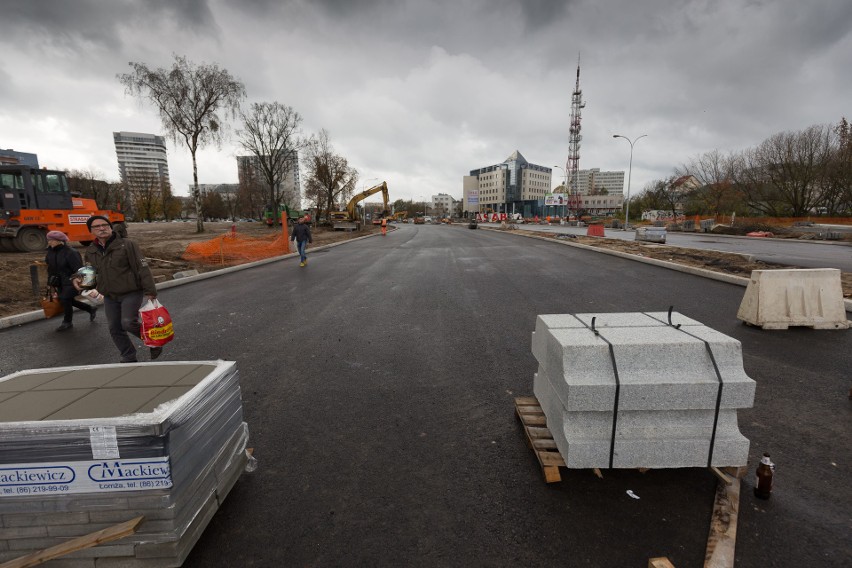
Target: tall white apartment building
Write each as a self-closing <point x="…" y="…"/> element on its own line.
<point x="141" y="157"/>
<point x="593" y="179"/>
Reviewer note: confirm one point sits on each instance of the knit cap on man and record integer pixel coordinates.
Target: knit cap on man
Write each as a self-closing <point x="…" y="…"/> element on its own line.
<point x="93" y="218"/>
<point x="57" y="236"/>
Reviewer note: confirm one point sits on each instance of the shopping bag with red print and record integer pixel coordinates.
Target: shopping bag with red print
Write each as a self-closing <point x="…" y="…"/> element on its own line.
<point x="156" y="328"/>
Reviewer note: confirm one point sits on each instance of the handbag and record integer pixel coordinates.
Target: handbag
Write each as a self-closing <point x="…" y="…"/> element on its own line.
<point x="51" y="304"/>
<point x="155" y="327"/>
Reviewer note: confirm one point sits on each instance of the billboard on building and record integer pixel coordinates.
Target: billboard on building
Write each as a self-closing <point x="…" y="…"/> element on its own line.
<point x="473" y="197"/>
<point x="555" y="199"/>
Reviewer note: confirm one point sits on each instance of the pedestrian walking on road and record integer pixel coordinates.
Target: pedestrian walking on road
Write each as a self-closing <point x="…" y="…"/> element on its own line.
<point x="302" y="236"/>
<point x="123" y="277"/>
<point x="384" y="226"/>
<point x="62" y="262"/>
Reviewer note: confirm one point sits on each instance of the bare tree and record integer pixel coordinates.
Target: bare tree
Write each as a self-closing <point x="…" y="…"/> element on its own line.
<point x="837" y="184"/>
<point x="783" y="175"/>
<point x="214" y="206"/>
<point x="188" y="98"/>
<point x="89" y="183"/>
<point x="670" y="195"/>
<point x="716" y="192"/>
<point x="250" y="195"/>
<point x="271" y="133"/>
<point x="146" y="194"/>
<point x="329" y="179"/>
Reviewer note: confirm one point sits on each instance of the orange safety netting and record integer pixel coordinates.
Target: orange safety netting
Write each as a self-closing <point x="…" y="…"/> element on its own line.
<point x="234" y="248"/>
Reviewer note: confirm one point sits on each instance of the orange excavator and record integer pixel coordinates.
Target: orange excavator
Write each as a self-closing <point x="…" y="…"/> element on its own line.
<point x="34" y="202"/>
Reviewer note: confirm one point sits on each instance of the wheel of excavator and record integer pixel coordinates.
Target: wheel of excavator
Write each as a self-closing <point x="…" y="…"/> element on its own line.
<point x="31" y="239"/>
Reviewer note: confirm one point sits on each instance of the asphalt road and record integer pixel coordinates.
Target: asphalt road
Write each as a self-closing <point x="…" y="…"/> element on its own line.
<point x="804" y="254"/>
<point x="378" y="385"/>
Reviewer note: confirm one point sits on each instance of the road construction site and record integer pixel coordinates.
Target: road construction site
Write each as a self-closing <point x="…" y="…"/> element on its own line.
<point x="379" y="384"/>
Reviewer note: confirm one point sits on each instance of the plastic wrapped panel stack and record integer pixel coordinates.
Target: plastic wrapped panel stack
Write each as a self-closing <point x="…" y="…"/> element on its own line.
<point x="84" y="448"/>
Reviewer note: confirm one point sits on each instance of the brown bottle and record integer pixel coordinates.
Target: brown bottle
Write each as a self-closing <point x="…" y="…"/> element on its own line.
<point x="763" y="483"/>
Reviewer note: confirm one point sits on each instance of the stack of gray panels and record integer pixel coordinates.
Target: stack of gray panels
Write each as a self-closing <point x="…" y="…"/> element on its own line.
<point x="629" y="390"/>
<point x="85" y="448"/>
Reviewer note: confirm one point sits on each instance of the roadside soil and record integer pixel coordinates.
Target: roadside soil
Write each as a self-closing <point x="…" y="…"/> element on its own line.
<point x="163" y="245"/>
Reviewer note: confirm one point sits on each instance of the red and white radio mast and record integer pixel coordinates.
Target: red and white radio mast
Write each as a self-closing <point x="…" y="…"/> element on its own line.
<point x="572" y="166"/>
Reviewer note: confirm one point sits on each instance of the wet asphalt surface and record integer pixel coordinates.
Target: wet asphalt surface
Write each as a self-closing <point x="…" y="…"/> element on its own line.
<point x="378" y="385"/>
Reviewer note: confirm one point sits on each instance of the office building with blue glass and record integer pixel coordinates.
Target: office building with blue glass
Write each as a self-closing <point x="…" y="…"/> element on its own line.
<point x="512" y="186"/>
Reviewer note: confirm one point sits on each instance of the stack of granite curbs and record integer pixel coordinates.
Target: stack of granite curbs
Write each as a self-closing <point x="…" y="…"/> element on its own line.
<point x="85" y="448"/>
<point x="632" y="390"/>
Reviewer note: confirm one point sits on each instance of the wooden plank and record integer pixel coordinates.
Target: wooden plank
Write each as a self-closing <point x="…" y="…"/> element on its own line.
<point x="534" y="420"/>
<point x="550" y="458"/>
<point x="539" y="432"/>
<point x="661" y="562"/>
<point x="551" y="474"/>
<point x="544" y="444"/>
<point x="738" y="472"/>
<point x="723" y="526"/>
<point x="539" y="437"/>
<point x="722" y="477"/>
<point x="114" y="532"/>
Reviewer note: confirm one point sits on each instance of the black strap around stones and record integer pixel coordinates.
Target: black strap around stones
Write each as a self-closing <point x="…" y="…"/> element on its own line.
<point x="718" y="379"/>
<point x="617" y="387"/>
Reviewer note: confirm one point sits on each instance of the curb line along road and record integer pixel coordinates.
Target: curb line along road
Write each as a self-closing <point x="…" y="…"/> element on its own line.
<point x="35" y="315"/>
<point x="729" y="278"/>
<point x="20" y="319"/>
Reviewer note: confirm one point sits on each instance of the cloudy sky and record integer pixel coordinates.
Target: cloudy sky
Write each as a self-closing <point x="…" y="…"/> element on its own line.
<point x="419" y="92"/>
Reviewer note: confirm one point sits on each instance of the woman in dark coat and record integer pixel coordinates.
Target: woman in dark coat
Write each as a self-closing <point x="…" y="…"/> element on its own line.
<point x="63" y="261"/>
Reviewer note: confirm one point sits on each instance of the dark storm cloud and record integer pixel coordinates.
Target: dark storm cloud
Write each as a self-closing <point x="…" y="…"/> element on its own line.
<point x="83" y="22"/>
<point x="423" y="91"/>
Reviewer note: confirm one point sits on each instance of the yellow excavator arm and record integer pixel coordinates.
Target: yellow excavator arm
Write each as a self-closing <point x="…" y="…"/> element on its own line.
<point x="348" y="219"/>
<point x="351" y="206"/>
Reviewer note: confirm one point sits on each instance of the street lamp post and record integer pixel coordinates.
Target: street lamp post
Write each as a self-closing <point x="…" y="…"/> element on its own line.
<point x="629" y="175"/>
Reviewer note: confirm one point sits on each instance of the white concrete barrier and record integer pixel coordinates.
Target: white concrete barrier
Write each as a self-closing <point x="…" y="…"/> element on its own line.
<point x="778" y="299"/>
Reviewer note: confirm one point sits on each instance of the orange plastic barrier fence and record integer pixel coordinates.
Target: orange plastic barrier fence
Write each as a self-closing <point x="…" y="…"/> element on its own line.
<point x="233" y="248"/>
<point x="784" y="221"/>
<point x="595" y="231"/>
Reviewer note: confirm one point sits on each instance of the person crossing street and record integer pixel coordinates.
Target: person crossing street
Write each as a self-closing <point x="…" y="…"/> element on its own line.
<point x="302" y="236"/>
<point x="62" y="262"/>
<point x="125" y="280"/>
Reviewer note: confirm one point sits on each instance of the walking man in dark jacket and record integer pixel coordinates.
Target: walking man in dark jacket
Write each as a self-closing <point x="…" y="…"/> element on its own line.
<point x="123" y="277"/>
<point x="302" y="236"/>
<point x="63" y="261"/>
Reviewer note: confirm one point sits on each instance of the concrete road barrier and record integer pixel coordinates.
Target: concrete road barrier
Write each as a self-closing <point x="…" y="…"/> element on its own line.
<point x="651" y="234"/>
<point x="778" y="299"/>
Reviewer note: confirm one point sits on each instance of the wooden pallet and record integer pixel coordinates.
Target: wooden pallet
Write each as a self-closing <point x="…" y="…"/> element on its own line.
<point x="539" y="438"/>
